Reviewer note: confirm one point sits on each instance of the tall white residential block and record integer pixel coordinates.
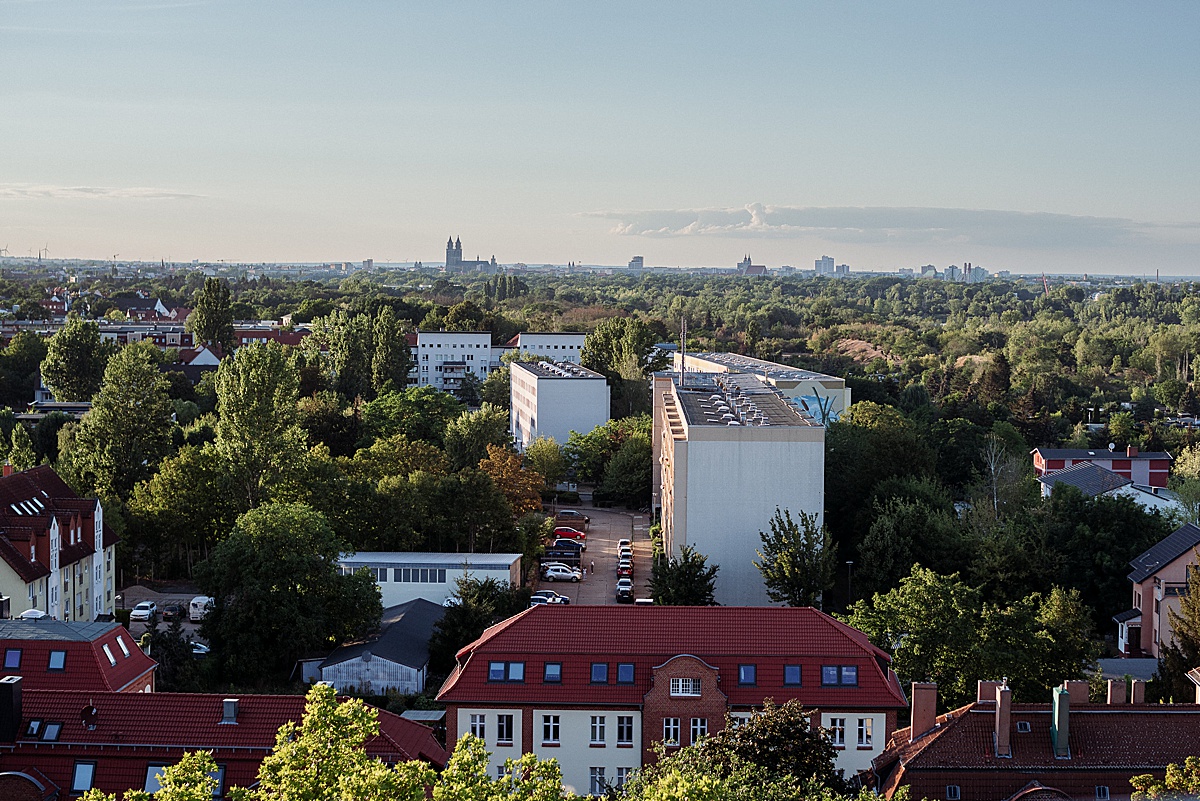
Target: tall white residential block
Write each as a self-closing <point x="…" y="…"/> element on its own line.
<point x="552" y="399"/>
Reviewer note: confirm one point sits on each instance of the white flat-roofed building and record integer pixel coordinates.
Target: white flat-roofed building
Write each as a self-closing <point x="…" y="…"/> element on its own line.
<point x="444" y="357"/>
<point x="555" y="347"/>
<point x="403" y="576"/>
<point x="729" y="448"/>
<point x="552" y="399"/>
<point x="825" y="397"/>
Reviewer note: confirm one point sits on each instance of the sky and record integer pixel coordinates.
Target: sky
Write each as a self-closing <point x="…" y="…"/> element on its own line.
<point x="1023" y="136"/>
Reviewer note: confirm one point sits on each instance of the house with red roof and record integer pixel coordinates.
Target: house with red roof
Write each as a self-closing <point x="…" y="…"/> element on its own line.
<point x="51" y="654"/>
<point x="56" y="552"/>
<point x="597" y="687"/>
<point x="56" y="745"/>
<point x="1070" y="748"/>
<point x="1146" y="469"/>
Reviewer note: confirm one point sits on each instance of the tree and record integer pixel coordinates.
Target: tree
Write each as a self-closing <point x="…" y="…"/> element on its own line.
<point x="192" y="778"/>
<point x="477" y="604"/>
<point x="521" y="487"/>
<point x="623" y="350"/>
<point x="127" y="432"/>
<point x="19" y="368"/>
<point x="211" y="320"/>
<point x="392" y="360"/>
<point x="590" y="453"/>
<point x="1180" y="783"/>
<point x="1121" y="428"/>
<point x="497" y="388"/>
<point x="797" y="560"/>
<point x="278" y="593"/>
<point x="545" y="457"/>
<point x="327" y="421"/>
<point x="419" y="413"/>
<point x="75" y="359"/>
<point x="257" y="435"/>
<point x="686" y="580"/>
<point x="628" y="474"/>
<point x="470" y="391"/>
<point x="468" y="436"/>
<point x="20" y="454"/>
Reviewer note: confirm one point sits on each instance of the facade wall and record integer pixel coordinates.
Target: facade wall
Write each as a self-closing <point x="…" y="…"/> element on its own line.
<point x="559" y="347"/>
<point x="554" y="407"/>
<point x="498" y="750"/>
<point x="660" y="704"/>
<point x="852" y="755"/>
<point x="437" y="585"/>
<point x="575" y="753"/>
<point x="437" y="348"/>
<point x="374" y="677"/>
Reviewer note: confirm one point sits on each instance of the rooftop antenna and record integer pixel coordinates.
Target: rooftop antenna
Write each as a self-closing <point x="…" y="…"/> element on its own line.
<point x="682" y="350"/>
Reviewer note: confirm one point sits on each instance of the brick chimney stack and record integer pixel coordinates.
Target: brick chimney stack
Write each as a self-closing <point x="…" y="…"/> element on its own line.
<point x="1116" y="691"/>
<point x="1131" y="451"/>
<point x="1060" y="723"/>
<point x="1078" y="689"/>
<point x="924" y="708"/>
<point x="985" y="691"/>
<point x="1139" y="692"/>
<point x="1003" y="721"/>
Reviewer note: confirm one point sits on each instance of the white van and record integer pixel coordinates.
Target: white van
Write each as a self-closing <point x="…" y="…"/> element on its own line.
<point x="199" y="607"/>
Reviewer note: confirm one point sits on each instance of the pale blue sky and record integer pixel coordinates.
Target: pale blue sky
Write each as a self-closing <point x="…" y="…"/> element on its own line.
<point x="1022" y="136"/>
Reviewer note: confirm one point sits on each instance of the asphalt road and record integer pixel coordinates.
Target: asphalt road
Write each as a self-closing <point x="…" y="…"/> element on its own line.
<point x="599" y="586"/>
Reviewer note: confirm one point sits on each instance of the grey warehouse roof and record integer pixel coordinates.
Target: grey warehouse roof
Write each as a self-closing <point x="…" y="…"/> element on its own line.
<point x="750" y="364"/>
<point x="403" y="637"/>
<point x="1173" y="546"/>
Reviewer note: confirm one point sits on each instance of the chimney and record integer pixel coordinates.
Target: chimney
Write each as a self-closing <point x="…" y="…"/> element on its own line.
<point x="924" y="709"/>
<point x="1139" y="692"/>
<point x="1003" y="721"/>
<point x="10" y="708"/>
<point x="229" y="711"/>
<point x="1116" y="691"/>
<point x="8" y="469"/>
<point x="1060" y="717"/>
<point x="1131" y="451"/>
<point x="1079" y="691"/>
<point x="985" y="692"/>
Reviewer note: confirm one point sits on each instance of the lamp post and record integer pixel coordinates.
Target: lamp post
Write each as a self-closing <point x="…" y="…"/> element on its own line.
<point x="849" y="585"/>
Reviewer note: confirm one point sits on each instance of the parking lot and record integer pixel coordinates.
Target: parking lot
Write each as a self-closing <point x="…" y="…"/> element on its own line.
<point x="599" y="586"/>
<point x="136" y="593"/>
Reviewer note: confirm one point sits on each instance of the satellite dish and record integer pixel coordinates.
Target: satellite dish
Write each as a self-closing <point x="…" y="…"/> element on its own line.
<point x="1112" y="446"/>
<point x="366" y="656"/>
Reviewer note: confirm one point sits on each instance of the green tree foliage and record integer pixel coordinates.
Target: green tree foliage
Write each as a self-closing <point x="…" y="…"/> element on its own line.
<point x="278" y="593"/>
<point x="591" y="452"/>
<point x="392" y="360"/>
<point x="468" y="435"/>
<point x="684" y="580"/>
<point x="470" y="391"/>
<point x="1180" y="783"/>
<point x="904" y="532"/>
<point x="477" y="604"/>
<point x="20" y="453"/>
<point x="128" y="429"/>
<point x="546" y="457"/>
<point x="75" y="359"/>
<point x="211" y="320"/>
<point x="19" y="363"/>
<point x="622" y="349"/>
<point x="45" y="435"/>
<point x="797" y="559"/>
<point x="328" y="420"/>
<point x="193" y="778"/>
<point x="628" y="475"/>
<point x="497" y="388"/>
<point x="419" y="413"/>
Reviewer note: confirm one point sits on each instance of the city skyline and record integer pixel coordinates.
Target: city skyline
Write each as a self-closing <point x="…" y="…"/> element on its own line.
<point x="1014" y="136"/>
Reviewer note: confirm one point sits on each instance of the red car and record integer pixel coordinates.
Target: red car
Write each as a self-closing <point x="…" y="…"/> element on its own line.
<point x="570" y="533"/>
<point x="625" y="569"/>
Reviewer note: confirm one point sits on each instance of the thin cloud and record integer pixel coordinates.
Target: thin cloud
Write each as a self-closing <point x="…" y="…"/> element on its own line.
<point x="42" y="191"/>
<point x="895" y="226"/>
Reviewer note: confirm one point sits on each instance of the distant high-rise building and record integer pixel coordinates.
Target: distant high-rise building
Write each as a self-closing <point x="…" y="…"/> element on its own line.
<point x="368" y="264"/>
<point x="842" y="269"/>
<point x="637" y="263"/>
<point x="952" y="273"/>
<point x="824" y="265"/>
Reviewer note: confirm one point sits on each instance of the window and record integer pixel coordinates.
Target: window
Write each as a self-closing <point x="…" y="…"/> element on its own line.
<point x="685" y="686"/>
<point x="12" y="659"/>
<point x="596" y="783"/>
<point x="549" y="729"/>
<point x="671" y="731"/>
<point x="791" y="675"/>
<point x="747" y="674"/>
<point x="112" y="660"/>
<point x="599" y="673"/>
<point x="552" y="673"/>
<point x="121" y="644"/>
<point x="50" y="732"/>
<point x="58" y="660"/>
<point x="699" y="728"/>
<point x="865" y="729"/>
<point x="500" y="772"/>
<point x="218" y="776"/>
<point x="1101" y="792"/>
<point x="1023" y="726"/>
<point x="837" y="731"/>
<point x="623" y="775"/>
<point x="153" y="777"/>
<point x="479" y="726"/>
<point x="504" y="729"/>
<point x="736" y="721"/>
<point x="953" y="793"/>
<point x="598" y="730"/>
<point x="625" y="673"/>
<point x="835" y="675"/>
<point x="506" y="671"/>
<point x="34" y="727"/>
<point x="624" y="729"/>
<point x="81" y="780"/>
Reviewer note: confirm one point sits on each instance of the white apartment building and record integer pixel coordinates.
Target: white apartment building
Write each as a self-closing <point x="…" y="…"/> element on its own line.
<point x="824" y="397"/>
<point x="403" y="576"/>
<point x="552" y="399"/>
<point x="555" y="347"/>
<point x="730" y="448"/>
<point x="444" y="357"/>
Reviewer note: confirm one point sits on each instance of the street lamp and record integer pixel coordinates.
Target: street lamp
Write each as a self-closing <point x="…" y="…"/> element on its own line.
<point x="849" y="586"/>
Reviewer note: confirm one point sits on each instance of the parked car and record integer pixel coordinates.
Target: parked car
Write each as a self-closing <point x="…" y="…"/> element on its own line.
<point x="563" y="574"/>
<point x="143" y="611"/>
<point x="623" y="543"/>
<point x="199" y="650"/>
<point x="568" y="556"/>
<point x="625" y="568"/>
<point x="563" y="542"/>
<point x="199" y="607"/>
<point x="172" y="611"/>
<point x="571" y="517"/>
<point x="548" y="565"/>
<point x="624" y="553"/>
<point x="548" y="597"/>
<point x="570" y="533"/>
<point x="625" y="591"/>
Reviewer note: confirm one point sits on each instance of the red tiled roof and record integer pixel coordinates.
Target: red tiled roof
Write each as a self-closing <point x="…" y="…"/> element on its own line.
<point x="647" y="636"/>
<point x="86" y="665"/>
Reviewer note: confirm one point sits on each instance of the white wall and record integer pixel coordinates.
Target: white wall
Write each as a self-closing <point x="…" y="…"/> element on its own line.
<point x="852" y="758"/>
<point x="437" y="347"/>
<point x="395" y="592"/>
<point x="560" y="347"/>
<point x="555" y="407"/>
<point x="575" y="753"/>
<point x="375" y="676"/>
<point x="497" y="753"/>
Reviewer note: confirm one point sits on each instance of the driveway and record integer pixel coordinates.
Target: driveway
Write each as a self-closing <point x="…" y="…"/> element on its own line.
<point x="599" y="586"/>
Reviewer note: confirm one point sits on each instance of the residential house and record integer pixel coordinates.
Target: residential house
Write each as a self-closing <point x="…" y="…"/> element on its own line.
<point x="552" y="399"/>
<point x="52" y="654"/>
<point x="596" y="687"/>
<point x="394" y="659"/>
<point x="56" y="745"/>
<point x="1069" y="748"/>
<point x="56" y="552"/>
<point x="1093" y="481"/>
<point x="1150" y="469"/>
<point x="1159" y="578"/>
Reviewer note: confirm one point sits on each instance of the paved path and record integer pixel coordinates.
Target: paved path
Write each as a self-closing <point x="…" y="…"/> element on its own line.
<point x="600" y="585"/>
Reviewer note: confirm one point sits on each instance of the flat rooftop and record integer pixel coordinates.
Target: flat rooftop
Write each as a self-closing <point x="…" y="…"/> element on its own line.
<point x="440" y="559"/>
<point x="548" y="369"/>
<point x="735" y="400"/>
<point x="49" y="629"/>
<point x="749" y="364"/>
